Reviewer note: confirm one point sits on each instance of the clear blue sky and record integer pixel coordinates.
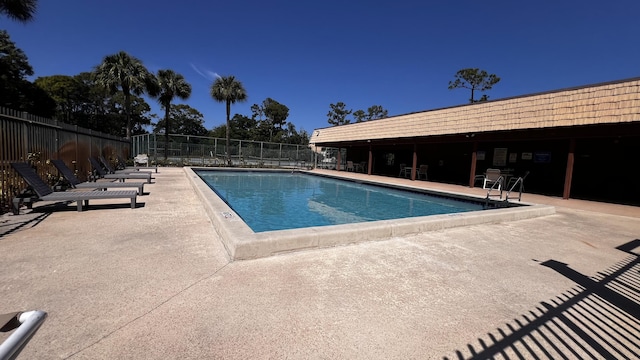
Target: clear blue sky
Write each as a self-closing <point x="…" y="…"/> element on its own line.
<point x="308" y="54"/>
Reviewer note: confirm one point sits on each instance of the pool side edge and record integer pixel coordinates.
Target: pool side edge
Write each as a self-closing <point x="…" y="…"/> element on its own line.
<point x="242" y="243"/>
<point x="218" y="212"/>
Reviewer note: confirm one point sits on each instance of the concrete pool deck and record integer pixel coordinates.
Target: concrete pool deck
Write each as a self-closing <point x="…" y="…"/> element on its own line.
<point x="156" y="282"/>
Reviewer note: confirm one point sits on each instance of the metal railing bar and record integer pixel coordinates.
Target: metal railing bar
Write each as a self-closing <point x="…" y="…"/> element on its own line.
<point x="30" y="322"/>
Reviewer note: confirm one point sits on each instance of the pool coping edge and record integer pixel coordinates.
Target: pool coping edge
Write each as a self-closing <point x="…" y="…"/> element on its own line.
<point x="242" y="243"/>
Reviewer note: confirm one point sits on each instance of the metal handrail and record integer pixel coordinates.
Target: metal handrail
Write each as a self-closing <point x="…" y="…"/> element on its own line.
<point x="520" y="181"/>
<point x="30" y="322"/>
<point x="498" y="182"/>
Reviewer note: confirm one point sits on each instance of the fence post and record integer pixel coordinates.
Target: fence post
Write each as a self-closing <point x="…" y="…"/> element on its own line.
<point x="25" y="138"/>
<point x="57" y="142"/>
<point x="134" y="145"/>
<point x="155" y="148"/>
<point x="188" y="150"/>
<point x="77" y="149"/>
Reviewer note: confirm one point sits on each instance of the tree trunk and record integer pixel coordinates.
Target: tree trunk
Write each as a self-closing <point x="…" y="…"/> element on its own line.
<point x="127" y="109"/>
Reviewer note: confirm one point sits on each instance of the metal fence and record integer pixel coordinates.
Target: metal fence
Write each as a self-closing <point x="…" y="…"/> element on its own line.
<point x="207" y="151"/>
<point x="25" y="137"/>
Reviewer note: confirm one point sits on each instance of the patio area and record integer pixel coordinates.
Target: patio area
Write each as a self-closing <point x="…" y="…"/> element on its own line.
<point x="156" y="282"/>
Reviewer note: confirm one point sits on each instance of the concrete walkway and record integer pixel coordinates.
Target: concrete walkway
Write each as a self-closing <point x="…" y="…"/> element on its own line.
<point x="155" y="283"/>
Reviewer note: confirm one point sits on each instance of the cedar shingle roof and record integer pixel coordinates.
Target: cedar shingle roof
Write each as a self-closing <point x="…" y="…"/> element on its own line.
<point x="616" y="102"/>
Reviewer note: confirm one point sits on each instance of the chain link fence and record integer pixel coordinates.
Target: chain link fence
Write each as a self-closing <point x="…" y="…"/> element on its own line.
<point x="190" y="150"/>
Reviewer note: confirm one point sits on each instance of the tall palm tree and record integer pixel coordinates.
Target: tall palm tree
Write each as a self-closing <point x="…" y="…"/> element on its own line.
<point x="20" y="10"/>
<point x="124" y="72"/>
<point x="171" y="85"/>
<point x="228" y="90"/>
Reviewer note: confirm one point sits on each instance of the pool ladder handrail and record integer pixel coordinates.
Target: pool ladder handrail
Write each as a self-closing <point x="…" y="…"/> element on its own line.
<point x="520" y="181"/>
<point x="498" y="183"/>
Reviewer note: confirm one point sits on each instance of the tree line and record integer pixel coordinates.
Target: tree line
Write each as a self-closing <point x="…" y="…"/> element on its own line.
<point x="109" y="97"/>
<point x="473" y="79"/>
<point x="339" y="112"/>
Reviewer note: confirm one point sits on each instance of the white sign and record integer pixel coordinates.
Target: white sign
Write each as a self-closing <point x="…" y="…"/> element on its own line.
<point x="499" y="156"/>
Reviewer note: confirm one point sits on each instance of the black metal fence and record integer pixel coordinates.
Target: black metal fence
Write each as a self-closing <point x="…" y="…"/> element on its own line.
<point x="25" y="137"/>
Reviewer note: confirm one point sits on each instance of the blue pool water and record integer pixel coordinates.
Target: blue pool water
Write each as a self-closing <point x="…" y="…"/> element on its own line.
<point x="268" y="201"/>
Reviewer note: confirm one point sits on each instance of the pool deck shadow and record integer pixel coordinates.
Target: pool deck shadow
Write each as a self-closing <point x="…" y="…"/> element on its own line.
<point x="156" y="282"/>
<point x="243" y="244"/>
<point x="598" y="319"/>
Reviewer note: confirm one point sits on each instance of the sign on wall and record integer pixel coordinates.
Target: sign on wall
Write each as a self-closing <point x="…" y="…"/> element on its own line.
<point x="542" y="157"/>
<point x="499" y="156"/>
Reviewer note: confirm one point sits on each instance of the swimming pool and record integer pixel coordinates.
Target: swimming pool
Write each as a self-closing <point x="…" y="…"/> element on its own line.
<point x="269" y="201"/>
<point x="242" y="243"/>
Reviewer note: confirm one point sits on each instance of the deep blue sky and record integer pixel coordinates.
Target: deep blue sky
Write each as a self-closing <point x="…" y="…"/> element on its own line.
<point x="306" y="55"/>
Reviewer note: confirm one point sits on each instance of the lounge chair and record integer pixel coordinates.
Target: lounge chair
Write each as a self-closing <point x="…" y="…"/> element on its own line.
<point x="111" y="170"/>
<point x="76" y="184"/>
<point x="38" y="190"/>
<point x="122" y="165"/>
<point x="100" y="172"/>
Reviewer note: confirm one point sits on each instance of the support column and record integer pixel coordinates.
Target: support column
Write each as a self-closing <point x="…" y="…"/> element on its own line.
<point x="339" y="159"/>
<point x="414" y="163"/>
<point x="370" y="162"/>
<point x="472" y="175"/>
<point x="569" y="172"/>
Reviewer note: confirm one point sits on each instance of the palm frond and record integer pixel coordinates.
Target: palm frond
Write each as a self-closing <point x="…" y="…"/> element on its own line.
<point x="21" y="10"/>
<point x="228" y="89"/>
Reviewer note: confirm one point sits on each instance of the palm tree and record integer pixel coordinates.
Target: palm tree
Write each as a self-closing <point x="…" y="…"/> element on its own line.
<point x="124" y="72"/>
<point x="228" y="90"/>
<point x="171" y="85"/>
<point x="20" y="10"/>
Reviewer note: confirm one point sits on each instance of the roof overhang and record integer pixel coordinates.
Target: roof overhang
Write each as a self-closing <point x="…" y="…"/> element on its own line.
<point x="603" y="104"/>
